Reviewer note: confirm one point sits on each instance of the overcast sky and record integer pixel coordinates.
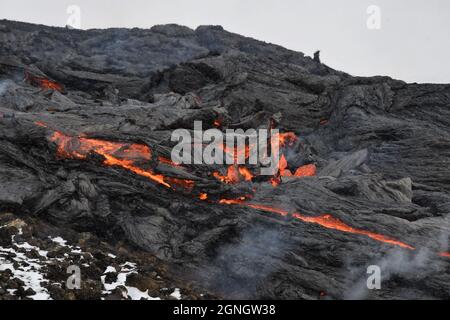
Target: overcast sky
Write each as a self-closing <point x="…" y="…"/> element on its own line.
<point x="411" y="44"/>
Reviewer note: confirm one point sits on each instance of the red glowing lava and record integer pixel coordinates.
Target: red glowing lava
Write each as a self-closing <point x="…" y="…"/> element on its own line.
<point x="326" y="221"/>
<point x="42" y="82"/>
<point x="331" y="222"/>
<point x="308" y="170"/>
<point x="127" y="155"/>
<point x="124" y="155"/>
<point x="234" y="175"/>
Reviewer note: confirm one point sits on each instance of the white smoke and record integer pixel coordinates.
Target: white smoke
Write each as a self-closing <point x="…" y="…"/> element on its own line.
<point x="242" y="267"/>
<point x="3" y="87"/>
<point x="399" y="262"/>
<point x="396" y="262"/>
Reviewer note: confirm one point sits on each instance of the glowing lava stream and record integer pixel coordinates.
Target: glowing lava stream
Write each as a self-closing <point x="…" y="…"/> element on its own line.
<point x="42" y="82"/>
<point x="79" y="148"/>
<point x="127" y="164"/>
<point x="325" y="220"/>
<point x="331" y="222"/>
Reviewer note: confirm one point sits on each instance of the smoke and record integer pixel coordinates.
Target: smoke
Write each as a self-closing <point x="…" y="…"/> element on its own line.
<point x="444" y="241"/>
<point x="399" y="264"/>
<point x="243" y="266"/>
<point x="3" y="87"/>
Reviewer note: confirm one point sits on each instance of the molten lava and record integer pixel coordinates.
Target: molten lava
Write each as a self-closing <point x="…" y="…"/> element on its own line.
<point x="282" y="167"/>
<point x="287" y="139"/>
<point x="326" y="221"/>
<point x="127" y="155"/>
<point x="124" y="155"/>
<point x="168" y="162"/>
<point x="234" y="175"/>
<point x="331" y="222"/>
<point x="240" y="200"/>
<point x="79" y="148"/>
<point x="308" y="170"/>
<point x="43" y="83"/>
<point x="128" y="164"/>
<point x="246" y="174"/>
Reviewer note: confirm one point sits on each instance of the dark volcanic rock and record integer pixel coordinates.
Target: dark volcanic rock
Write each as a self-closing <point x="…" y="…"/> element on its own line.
<point x="381" y="147"/>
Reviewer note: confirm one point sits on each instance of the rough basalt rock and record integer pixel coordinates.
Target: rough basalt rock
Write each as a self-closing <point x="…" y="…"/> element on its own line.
<point x="381" y="147"/>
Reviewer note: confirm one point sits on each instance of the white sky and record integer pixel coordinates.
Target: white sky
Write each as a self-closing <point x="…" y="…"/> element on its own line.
<point x="412" y="44"/>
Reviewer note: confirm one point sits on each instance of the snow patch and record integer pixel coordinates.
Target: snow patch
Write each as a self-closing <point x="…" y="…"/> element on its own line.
<point x="176" y="294"/>
<point x="28" y="271"/>
<point x="60" y="241"/>
<point x="126" y="269"/>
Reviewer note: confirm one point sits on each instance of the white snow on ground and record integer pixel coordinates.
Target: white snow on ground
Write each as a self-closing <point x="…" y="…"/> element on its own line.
<point x="126" y="269"/>
<point x="110" y="269"/>
<point x="26" y="246"/>
<point x="28" y="270"/>
<point x="176" y="294"/>
<point x="60" y="241"/>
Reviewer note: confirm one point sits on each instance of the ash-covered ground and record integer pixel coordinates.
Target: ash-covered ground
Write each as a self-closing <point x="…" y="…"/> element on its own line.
<point x="86" y="119"/>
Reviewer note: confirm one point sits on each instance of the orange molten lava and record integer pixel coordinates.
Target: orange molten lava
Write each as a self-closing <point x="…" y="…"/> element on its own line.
<point x="331" y="222"/>
<point x="308" y="170"/>
<point x="242" y="173"/>
<point x="287" y="138"/>
<point x="47" y="84"/>
<point x="43" y="82"/>
<point x="248" y="176"/>
<point x="304" y="171"/>
<point x="235" y="152"/>
<point x="325" y="220"/>
<point x="275" y="182"/>
<point x="445" y="254"/>
<point x="128" y="164"/>
<point x="240" y="200"/>
<point x="282" y="165"/>
<point x="79" y="148"/>
<point x="234" y="175"/>
<point x="168" y="162"/>
<point x="124" y="155"/>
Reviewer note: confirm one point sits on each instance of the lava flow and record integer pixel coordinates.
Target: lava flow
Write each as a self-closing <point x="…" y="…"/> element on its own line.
<point x="326" y="221"/>
<point x="236" y="173"/>
<point x="308" y="170"/>
<point x="331" y="222"/>
<point x="303" y="171"/>
<point x="42" y="82"/>
<point x="124" y="155"/>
